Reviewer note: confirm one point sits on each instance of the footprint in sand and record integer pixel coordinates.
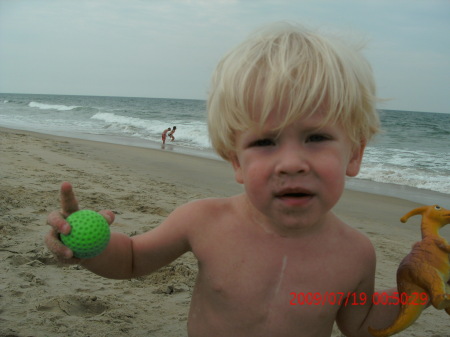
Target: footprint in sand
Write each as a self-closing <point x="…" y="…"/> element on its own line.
<point x="71" y="305"/>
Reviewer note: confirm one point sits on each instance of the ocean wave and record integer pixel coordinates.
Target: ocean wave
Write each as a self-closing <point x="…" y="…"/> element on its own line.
<point x="192" y="134"/>
<point x="110" y="117"/>
<point x="420" y="169"/>
<point x="413" y="151"/>
<point x="411" y="176"/>
<point x="43" y="106"/>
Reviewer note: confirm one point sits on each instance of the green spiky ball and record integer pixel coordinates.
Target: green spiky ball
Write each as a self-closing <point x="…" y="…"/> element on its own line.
<point x="89" y="235"/>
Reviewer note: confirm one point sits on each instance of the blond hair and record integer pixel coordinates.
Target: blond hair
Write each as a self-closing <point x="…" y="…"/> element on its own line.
<point x="288" y="64"/>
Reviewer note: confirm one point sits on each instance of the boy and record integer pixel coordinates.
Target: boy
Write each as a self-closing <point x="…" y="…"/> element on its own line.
<point x="164" y="135"/>
<point x="172" y="137"/>
<point x="292" y="112"/>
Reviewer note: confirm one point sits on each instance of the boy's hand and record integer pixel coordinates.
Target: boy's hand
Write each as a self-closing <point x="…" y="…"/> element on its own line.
<point x="57" y="220"/>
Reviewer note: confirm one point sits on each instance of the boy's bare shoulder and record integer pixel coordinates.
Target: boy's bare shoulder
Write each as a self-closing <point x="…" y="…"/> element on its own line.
<point x="207" y="204"/>
<point x="355" y="242"/>
<point x="350" y="232"/>
<point x="201" y="218"/>
<point x="357" y="235"/>
<point x="202" y="210"/>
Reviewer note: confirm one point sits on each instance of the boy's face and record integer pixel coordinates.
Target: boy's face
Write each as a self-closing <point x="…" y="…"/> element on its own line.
<point x="295" y="176"/>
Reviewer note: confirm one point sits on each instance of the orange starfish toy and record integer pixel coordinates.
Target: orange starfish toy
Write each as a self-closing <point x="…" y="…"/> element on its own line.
<point x="426" y="269"/>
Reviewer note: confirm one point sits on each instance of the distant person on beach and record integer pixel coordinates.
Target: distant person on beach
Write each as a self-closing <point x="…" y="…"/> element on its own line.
<point x="164" y="135"/>
<point x="172" y="138"/>
<point x="292" y="111"/>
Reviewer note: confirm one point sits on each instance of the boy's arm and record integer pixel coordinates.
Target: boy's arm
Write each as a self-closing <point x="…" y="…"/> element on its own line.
<point x="365" y="309"/>
<point x="142" y="254"/>
<point x="124" y="257"/>
<point x="355" y="320"/>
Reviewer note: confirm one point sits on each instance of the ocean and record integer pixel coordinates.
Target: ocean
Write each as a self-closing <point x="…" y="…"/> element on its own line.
<point x="410" y="159"/>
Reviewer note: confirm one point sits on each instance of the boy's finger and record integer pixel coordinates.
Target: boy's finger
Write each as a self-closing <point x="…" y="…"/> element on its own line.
<point x="108" y="215"/>
<point x="61" y="252"/>
<point x="56" y="247"/>
<point x="58" y="223"/>
<point x="69" y="203"/>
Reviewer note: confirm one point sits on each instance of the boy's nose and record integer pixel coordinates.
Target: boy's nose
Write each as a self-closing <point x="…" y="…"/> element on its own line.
<point x="292" y="160"/>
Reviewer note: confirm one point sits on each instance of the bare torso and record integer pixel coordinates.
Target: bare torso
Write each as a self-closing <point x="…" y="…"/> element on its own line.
<point x="248" y="277"/>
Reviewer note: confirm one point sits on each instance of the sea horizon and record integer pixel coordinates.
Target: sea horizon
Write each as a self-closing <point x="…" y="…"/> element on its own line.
<point x="395" y="164"/>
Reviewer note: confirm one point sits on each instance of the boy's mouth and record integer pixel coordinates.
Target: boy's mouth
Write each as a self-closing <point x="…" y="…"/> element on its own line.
<point x="293" y="193"/>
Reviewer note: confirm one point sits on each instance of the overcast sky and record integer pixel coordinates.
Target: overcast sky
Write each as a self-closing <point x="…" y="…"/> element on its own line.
<point x="170" y="48"/>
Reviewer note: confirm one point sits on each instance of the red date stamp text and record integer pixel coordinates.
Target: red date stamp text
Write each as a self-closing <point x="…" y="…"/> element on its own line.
<point x="352" y="298"/>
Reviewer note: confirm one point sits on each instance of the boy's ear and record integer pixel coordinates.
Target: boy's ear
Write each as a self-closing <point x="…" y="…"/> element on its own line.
<point x="356" y="159"/>
<point x="237" y="168"/>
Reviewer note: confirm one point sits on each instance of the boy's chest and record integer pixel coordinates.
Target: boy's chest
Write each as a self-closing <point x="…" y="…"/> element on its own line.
<point x="273" y="277"/>
<point x="269" y="291"/>
<point x="257" y="277"/>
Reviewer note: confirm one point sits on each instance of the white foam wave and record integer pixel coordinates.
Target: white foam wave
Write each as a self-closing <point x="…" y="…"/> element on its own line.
<point x="189" y="133"/>
<point x="399" y="158"/>
<point x="412" y="168"/>
<point x="117" y="119"/>
<point x="43" y="106"/>
<point x="409" y="177"/>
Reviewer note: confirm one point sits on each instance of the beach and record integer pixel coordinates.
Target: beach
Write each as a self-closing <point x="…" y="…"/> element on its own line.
<point x="142" y="186"/>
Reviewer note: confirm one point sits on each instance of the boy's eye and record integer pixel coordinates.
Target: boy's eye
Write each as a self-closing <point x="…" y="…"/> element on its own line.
<point x="263" y="142"/>
<point x="317" y="138"/>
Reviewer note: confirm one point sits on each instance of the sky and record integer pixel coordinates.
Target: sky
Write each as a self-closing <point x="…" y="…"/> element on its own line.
<point x="168" y="49"/>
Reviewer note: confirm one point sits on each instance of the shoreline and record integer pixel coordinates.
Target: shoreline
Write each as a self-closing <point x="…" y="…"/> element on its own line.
<point x="142" y="186"/>
<point x="409" y="193"/>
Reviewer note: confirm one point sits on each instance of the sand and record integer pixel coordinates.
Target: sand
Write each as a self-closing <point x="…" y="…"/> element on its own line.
<point x="41" y="298"/>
